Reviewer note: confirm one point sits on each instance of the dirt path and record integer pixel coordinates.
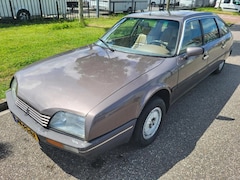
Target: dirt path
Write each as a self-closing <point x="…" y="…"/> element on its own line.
<point x="230" y="18"/>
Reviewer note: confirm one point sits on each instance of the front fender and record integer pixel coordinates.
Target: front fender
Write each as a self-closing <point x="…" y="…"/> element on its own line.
<point x="162" y="91"/>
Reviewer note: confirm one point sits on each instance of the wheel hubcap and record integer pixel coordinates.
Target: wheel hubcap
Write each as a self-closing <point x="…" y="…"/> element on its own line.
<point x="23" y="16"/>
<point x="221" y="66"/>
<point x="152" y="123"/>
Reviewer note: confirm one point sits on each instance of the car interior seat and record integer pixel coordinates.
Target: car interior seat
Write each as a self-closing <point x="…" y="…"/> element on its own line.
<point x="169" y="35"/>
<point x="142" y="37"/>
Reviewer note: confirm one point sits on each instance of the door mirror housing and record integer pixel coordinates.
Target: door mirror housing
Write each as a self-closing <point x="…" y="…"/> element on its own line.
<point x="194" y="51"/>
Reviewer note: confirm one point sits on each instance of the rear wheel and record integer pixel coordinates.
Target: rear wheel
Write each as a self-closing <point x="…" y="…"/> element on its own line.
<point x="149" y="122"/>
<point x="129" y="10"/>
<point x="23" y="15"/>
<point x="153" y="4"/>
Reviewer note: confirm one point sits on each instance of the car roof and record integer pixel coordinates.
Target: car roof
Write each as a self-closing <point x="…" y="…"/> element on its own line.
<point x="179" y="15"/>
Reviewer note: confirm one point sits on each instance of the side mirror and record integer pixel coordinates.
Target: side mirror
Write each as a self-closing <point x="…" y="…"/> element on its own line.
<point x="194" y="51"/>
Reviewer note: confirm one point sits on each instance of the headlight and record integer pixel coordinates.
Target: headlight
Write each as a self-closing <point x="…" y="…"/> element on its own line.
<point x="14" y="88"/>
<point x="69" y="123"/>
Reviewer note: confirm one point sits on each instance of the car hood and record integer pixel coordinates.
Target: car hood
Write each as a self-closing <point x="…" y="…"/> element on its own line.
<point x="79" y="80"/>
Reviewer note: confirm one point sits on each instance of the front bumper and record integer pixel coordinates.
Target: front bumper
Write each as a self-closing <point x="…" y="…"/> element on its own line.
<point x="83" y="148"/>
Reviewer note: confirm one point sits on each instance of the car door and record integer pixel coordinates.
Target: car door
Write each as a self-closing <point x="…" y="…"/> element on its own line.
<point x="213" y="44"/>
<point x="190" y="68"/>
<point x="225" y="36"/>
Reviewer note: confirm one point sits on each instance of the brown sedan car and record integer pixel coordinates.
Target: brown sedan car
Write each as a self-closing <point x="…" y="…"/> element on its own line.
<point x="91" y="99"/>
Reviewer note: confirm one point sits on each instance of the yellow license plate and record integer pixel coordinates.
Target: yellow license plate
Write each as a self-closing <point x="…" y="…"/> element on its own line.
<point x="26" y="128"/>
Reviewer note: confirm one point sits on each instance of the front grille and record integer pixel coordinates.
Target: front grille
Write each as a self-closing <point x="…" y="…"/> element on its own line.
<point x="38" y="117"/>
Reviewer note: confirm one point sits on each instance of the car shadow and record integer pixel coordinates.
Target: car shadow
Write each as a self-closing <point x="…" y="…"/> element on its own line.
<point x="185" y="123"/>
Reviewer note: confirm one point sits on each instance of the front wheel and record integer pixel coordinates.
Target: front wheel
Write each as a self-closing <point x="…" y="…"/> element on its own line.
<point x="149" y="122"/>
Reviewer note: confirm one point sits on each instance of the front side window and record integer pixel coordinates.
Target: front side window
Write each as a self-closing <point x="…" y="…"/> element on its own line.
<point x="210" y="30"/>
<point x="157" y="37"/>
<point x="237" y="2"/>
<point x="192" y="35"/>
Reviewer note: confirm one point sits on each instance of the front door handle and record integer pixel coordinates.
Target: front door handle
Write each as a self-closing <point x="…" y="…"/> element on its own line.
<point x="223" y="45"/>
<point x="205" y="56"/>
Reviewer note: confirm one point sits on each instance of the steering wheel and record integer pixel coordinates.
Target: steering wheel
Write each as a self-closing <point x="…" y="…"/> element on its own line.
<point x="157" y="42"/>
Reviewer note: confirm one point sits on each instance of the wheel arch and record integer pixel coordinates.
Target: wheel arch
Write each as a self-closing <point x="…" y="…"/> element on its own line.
<point x="23" y="10"/>
<point x="161" y="98"/>
<point x="163" y="93"/>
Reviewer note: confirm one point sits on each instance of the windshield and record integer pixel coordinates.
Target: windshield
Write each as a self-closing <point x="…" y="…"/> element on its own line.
<point x="157" y="37"/>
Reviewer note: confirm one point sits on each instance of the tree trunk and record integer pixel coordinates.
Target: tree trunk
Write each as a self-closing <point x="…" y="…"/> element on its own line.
<point x="168" y="4"/>
<point x="80" y="12"/>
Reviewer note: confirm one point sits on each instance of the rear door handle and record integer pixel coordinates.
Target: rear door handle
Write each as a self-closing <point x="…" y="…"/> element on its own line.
<point x="223" y="45"/>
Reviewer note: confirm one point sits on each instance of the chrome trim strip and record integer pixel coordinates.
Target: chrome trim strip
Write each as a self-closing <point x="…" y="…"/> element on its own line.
<point x="104" y="142"/>
<point x="43" y="120"/>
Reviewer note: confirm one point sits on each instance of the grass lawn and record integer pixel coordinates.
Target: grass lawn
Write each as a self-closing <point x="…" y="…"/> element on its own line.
<point x="22" y="45"/>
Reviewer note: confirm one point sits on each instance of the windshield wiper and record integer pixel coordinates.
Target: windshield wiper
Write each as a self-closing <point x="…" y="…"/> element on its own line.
<point x="106" y="45"/>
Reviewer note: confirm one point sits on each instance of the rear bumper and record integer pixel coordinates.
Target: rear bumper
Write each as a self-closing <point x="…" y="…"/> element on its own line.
<point x="83" y="148"/>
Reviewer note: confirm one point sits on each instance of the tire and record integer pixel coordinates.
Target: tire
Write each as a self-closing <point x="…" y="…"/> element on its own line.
<point x="129" y="10"/>
<point x="23" y="15"/>
<point x="220" y="68"/>
<point x="153" y="4"/>
<point x="149" y="121"/>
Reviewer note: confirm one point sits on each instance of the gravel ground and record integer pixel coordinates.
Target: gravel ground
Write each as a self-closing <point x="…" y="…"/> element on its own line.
<point x="230" y="19"/>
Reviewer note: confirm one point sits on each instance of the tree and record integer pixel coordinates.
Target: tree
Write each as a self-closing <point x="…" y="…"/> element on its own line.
<point x="80" y="12"/>
<point x="168" y="3"/>
<point x="219" y="5"/>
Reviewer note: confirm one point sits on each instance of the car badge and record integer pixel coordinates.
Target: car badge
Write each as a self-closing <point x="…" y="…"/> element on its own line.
<point x="28" y="111"/>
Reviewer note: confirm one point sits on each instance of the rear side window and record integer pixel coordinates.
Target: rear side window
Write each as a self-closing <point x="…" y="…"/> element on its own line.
<point x="226" y="1"/>
<point x="223" y="29"/>
<point x="210" y="30"/>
